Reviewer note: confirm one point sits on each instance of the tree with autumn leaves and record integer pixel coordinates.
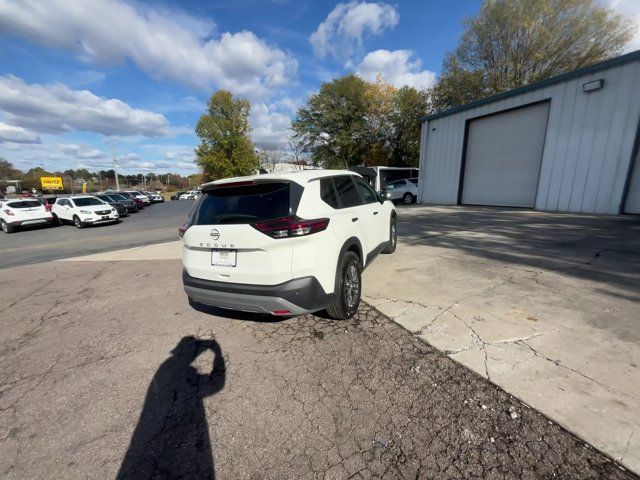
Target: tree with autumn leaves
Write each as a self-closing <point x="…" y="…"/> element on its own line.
<point x="354" y="122"/>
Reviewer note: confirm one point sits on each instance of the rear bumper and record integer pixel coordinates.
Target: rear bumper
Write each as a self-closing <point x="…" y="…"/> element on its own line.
<point x="298" y="296"/>
<point x="31" y="221"/>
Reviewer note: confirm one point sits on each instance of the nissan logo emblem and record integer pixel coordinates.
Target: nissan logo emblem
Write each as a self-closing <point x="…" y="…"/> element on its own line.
<point x="215" y="234"/>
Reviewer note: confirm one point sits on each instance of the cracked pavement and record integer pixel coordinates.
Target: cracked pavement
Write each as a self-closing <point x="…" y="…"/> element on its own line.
<point x="547" y="306"/>
<point x="105" y="371"/>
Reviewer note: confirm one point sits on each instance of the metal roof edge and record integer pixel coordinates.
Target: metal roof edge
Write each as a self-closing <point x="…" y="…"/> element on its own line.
<point x="610" y="63"/>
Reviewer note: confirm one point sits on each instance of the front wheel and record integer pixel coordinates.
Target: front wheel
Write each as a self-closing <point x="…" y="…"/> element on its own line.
<point x="77" y="222"/>
<point x="393" y="237"/>
<point x="348" y="288"/>
<point x="407" y="198"/>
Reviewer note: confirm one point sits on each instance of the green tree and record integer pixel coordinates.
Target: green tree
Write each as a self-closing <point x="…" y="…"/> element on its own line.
<point x="511" y="43"/>
<point x="225" y="149"/>
<point x="409" y="106"/>
<point x="7" y="171"/>
<point x="332" y="126"/>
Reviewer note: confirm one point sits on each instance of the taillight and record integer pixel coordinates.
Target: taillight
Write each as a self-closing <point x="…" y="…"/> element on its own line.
<point x="183" y="228"/>
<point x="8" y="212"/>
<point x="291" y="227"/>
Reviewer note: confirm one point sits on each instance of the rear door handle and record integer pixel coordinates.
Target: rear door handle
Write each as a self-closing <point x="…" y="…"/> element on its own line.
<point x="354" y="219"/>
<point x="375" y="213"/>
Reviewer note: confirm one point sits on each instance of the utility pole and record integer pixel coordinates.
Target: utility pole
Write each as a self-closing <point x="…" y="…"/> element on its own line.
<point x="115" y="168"/>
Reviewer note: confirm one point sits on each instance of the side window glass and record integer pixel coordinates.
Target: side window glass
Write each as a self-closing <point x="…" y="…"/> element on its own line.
<point x="365" y="190"/>
<point x="347" y="191"/>
<point x="328" y="193"/>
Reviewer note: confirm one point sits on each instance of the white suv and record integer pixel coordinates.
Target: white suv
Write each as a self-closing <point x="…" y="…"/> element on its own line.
<point x="19" y="212"/>
<point x="83" y="210"/>
<point x="405" y="190"/>
<point x="190" y="195"/>
<point x="285" y="244"/>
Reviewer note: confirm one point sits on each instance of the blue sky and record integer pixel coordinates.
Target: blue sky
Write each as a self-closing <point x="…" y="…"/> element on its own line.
<point x="78" y="78"/>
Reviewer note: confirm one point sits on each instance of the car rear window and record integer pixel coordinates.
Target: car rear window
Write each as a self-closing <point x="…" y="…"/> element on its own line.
<point x="243" y="204"/>
<point x="24" y="204"/>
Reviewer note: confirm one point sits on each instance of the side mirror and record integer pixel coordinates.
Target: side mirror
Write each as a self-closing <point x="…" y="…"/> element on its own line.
<point x="383" y="196"/>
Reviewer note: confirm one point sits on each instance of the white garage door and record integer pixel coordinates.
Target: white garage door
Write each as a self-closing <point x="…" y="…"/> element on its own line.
<point x="503" y="156"/>
<point x="632" y="204"/>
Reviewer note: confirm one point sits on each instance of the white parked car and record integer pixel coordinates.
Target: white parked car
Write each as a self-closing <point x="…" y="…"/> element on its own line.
<point x="142" y="197"/>
<point x="21" y="212"/>
<point x="285" y="244"/>
<point x="191" y="195"/>
<point x="405" y="190"/>
<point x="83" y="210"/>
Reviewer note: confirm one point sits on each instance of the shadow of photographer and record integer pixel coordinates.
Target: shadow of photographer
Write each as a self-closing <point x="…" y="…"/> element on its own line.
<point x="171" y="438"/>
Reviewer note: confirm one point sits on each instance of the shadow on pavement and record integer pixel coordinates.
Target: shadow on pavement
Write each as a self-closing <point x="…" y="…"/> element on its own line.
<point x="604" y="248"/>
<point x="171" y="439"/>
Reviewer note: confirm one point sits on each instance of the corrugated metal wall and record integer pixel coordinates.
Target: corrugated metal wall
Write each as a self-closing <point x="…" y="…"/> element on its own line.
<point x="587" y="150"/>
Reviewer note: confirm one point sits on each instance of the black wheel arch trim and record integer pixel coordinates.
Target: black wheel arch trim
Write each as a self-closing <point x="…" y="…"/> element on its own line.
<point x="351" y="242"/>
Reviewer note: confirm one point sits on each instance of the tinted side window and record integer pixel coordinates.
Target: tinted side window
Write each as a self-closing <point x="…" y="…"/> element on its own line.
<point x="365" y="190"/>
<point x="328" y="193"/>
<point x="347" y="191"/>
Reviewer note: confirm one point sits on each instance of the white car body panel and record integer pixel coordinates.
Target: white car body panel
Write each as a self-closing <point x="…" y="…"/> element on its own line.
<point x="65" y="209"/>
<point x="11" y="213"/>
<point x="399" y="188"/>
<point x="263" y="260"/>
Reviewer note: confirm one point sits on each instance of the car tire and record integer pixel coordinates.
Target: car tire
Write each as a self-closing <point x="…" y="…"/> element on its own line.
<point x="77" y="222"/>
<point x="393" y="237"/>
<point x="348" y="288"/>
<point x="56" y="220"/>
<point x="408" y="198"/>
<point x="6" y="227"/>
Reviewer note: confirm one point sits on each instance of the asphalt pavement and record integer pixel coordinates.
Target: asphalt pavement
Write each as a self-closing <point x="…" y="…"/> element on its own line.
<point x="106" y="371"/>
<point x="156" y="223"/>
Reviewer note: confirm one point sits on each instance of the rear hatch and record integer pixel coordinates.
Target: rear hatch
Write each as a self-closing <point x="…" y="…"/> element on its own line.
<point x="221" y="242"/>
<point x="26" y="210"/>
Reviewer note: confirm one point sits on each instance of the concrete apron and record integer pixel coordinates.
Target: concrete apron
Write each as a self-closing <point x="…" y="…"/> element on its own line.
<point x="531" y="331"/>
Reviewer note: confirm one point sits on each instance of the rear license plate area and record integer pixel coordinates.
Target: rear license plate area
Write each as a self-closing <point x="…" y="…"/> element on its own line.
<point x="223" y="258"/>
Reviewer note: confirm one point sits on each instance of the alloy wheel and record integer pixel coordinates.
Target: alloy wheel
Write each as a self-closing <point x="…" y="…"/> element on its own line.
<point x="351" y="286"/>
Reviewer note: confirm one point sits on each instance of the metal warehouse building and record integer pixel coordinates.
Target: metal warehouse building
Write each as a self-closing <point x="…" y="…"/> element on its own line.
<point x="568" y="143"/>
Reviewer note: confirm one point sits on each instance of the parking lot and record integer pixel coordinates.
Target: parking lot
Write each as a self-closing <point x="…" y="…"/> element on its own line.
<point x="97" y="382"/>
<point x="156" y="223"/>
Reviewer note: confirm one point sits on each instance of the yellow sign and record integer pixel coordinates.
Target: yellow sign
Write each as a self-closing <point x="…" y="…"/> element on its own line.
<point x="84" y="187"/>
<point x="51" y="183"/>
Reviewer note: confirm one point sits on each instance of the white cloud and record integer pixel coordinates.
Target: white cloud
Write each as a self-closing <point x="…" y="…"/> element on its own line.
<point x="164" y="43"/>
<point x="57" y="109"/>
<point x="10" y="133"/>
<point x="630" y="10"/>
<point x="396" y="68"/>
<point x="82" y="152"/>
<point x="349" y="24"/>
<point x="271" y="129"/>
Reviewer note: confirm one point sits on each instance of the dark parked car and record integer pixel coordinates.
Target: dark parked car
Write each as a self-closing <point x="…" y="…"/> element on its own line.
<point x="119" y="206"/>
<point x="176" y="195"/>
<point x="139" y="203"/>
<point x="129" y="204"/>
